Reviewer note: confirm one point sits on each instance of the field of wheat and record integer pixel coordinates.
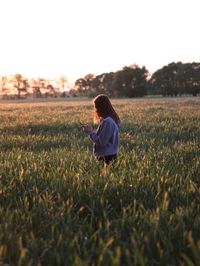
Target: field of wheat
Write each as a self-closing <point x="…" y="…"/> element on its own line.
<point x="58" y="206"/>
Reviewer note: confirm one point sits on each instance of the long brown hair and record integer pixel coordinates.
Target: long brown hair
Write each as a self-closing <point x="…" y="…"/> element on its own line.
<point x="104" y="108"/>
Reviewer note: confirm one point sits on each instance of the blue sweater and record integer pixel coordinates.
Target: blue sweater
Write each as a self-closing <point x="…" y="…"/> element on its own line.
<point x="106" y="138"/>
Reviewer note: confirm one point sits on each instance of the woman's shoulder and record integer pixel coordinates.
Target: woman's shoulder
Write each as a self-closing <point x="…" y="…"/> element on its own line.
<point x="110" y="120"/>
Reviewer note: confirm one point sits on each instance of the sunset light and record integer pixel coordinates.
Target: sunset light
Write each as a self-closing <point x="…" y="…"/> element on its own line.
<point x="51" y="38"/>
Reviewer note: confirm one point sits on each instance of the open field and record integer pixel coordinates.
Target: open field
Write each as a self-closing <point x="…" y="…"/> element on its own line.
<point x="57" y="207"/>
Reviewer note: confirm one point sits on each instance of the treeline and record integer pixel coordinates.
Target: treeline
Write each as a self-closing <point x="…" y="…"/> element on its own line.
<point x="133" y="81"/>
<point x="128" y="82"/>
<point x="171" y="80"/>
<point x="176" y="79"/>
<point x="18" y="87"/>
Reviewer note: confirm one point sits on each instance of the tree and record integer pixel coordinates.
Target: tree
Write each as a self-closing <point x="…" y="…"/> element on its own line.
<point x="63" y="81"/>
<point x="189" y="78"/>
<point x="36" y="92"/>
<point x="51" y="91"/>
<point x="102" y="84"/>
<point x="108" y="83"/>
<point x="130" y="82"/>
<point x="20" y="84"/>
<point x="84" y="85"/>
<point x="42" y="84"/>
<point x="196" y="78"/>
<point x="164" y="81"/>
<point x="3" y="83"/>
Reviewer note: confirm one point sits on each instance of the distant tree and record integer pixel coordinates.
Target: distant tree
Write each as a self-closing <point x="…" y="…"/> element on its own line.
<point x="130" y="82"/>
<point x="20" y="84"/>
<point x="164" y="81"/>
<point x="84" y="84"/>
<point x="26" y="85"/>
<point x="196" y="78"/>
<point x="102" y="84"/>
<point x="176" y="78"/>
<point x="3" y="83"/>
<point x="189" y="78"/>
<point x="36" y="92"/>
<point x="42" y="84"/>
<point x="170" y="79"/>
<point x="80" y="84"/>
<point x="63" y="81"/>
<point x="51" y="91"/>
<point x="108" y="83"/>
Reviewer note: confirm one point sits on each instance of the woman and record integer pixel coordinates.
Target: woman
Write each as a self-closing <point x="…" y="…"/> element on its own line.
<point x="106" y="137"/>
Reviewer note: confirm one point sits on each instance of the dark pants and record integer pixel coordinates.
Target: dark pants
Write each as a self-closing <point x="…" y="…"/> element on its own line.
<point x="107" y="159"/>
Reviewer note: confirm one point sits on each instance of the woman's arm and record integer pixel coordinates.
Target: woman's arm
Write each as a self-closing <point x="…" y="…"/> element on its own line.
<point x="104" y="133"/>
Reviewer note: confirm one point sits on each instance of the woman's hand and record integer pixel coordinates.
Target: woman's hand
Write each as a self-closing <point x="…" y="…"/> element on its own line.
<point x="87" y="128"/>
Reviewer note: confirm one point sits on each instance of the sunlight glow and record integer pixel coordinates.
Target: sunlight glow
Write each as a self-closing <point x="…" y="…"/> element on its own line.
<point x="51" y="38"/>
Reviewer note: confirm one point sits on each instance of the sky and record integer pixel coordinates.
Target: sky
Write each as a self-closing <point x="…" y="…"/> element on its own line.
<point x="52" y="38"/>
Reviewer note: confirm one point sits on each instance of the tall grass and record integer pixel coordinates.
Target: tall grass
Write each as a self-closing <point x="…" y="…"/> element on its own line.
<point x="58" y="207"/>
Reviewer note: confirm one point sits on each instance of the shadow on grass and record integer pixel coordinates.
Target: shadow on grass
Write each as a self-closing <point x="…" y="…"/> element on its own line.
<point x="43" y="137"/>
<point x="145" y="136"/>
<point x="47" y="137"/>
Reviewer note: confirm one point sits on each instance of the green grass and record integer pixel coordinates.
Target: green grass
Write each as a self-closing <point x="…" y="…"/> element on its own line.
<point x="57" y="206"/>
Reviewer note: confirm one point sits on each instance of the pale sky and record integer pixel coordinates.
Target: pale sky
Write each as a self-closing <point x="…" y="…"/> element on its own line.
<point x="51" y="38"/>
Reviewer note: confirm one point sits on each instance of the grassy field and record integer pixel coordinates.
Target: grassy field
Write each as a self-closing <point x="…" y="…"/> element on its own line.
<point x="57" y="206"/>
